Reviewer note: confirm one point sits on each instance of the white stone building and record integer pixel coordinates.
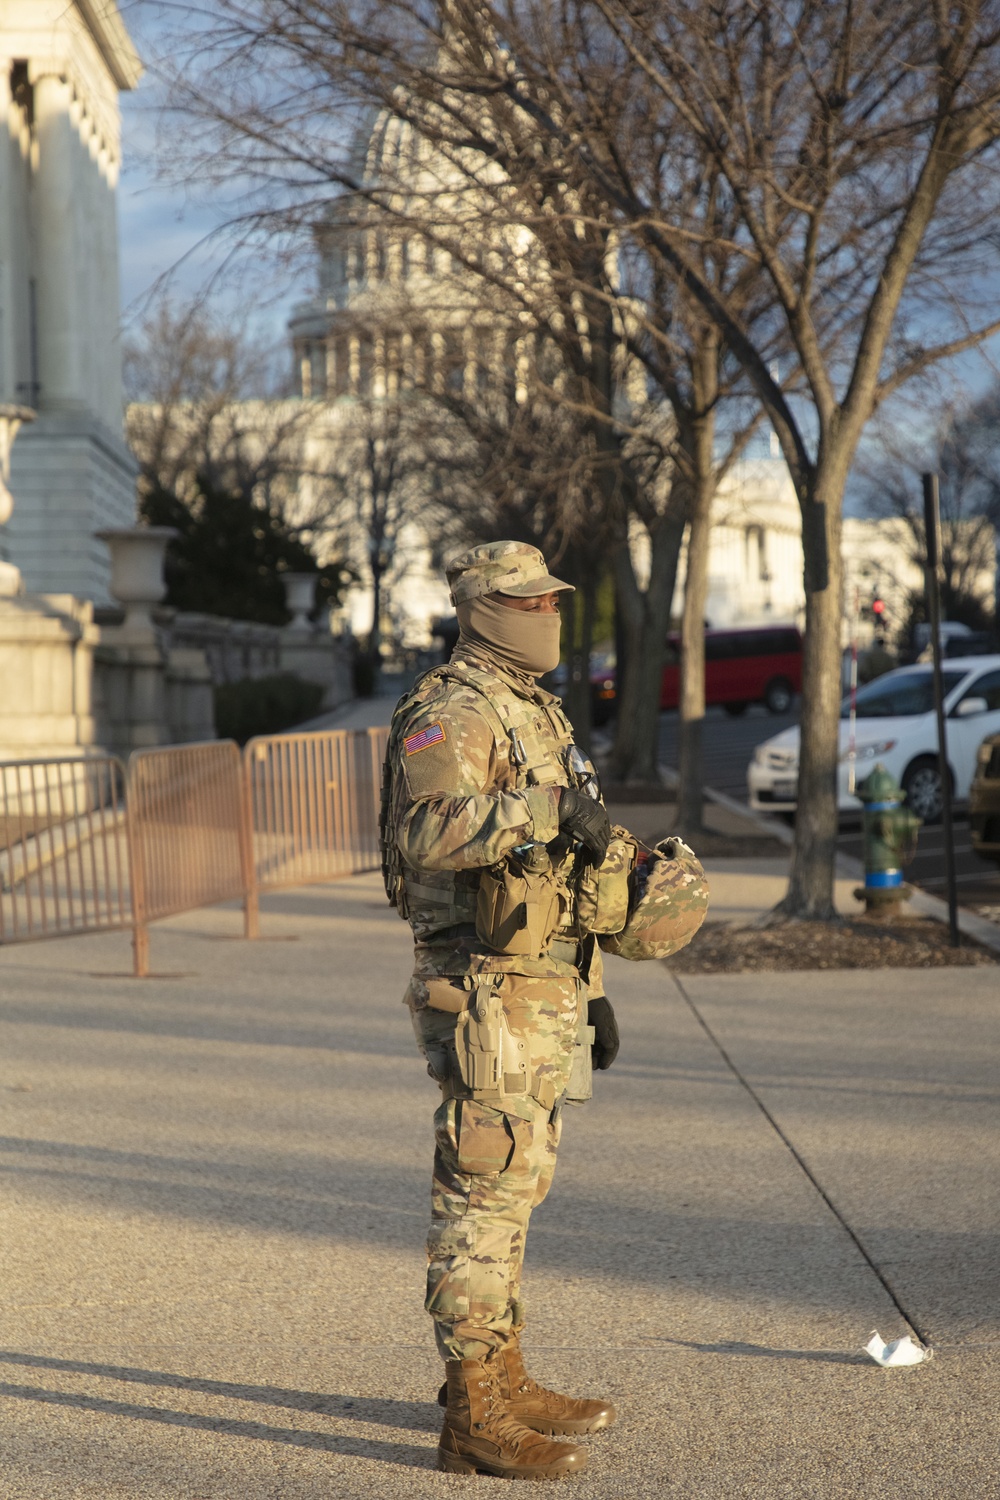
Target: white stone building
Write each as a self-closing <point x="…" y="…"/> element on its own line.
<point x="63" y="64"/>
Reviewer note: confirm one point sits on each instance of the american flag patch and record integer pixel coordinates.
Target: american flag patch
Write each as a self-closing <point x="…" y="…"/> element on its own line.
<point x="432" y="735"/>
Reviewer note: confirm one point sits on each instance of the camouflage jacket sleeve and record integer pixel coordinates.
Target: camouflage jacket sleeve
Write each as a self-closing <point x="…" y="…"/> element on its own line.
<point x="453" y="808"/>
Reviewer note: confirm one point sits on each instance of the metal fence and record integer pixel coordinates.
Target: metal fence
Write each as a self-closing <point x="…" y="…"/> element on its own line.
<point x="85" y="846"/>
<point x="312" y="807"/>
<point x="63" y="848"/>
<point x="187" y="833"/>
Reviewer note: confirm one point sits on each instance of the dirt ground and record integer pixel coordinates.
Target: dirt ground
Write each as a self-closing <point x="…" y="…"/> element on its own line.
<point x="852" y="943"/>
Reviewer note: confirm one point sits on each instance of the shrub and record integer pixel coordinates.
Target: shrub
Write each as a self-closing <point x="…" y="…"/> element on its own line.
<point x="264" y="705"/>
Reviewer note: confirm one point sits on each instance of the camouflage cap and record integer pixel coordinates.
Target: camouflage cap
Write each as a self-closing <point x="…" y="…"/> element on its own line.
<point x="500" y="568"/>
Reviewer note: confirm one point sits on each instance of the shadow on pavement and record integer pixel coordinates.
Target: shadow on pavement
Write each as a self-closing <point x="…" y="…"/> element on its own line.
<point x="763" y="1351"/>
<point x="413" y="1416"/>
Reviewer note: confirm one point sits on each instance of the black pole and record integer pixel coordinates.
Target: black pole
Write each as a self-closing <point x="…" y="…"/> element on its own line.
<point x="932" y="529"/>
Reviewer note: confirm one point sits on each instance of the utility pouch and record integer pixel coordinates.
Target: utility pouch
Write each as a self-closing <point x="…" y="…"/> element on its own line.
<point x="602" y="894"/>
<point x="516" y="909"/>
<point x="580" y="1086"/>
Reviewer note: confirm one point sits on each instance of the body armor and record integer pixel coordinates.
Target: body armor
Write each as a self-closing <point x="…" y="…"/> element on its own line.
<point x="530" y="743"/>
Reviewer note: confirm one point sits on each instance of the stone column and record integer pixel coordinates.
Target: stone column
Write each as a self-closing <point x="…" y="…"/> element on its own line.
<point x="60" y="366"/>
<point x="11" y="418"/>
<point x="7" y="373"/>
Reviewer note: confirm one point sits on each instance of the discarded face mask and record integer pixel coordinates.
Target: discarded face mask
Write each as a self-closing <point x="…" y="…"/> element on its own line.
<point x="900" y="1352"/>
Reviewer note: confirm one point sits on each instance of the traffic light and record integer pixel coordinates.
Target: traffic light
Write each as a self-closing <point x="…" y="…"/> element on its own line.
<point x="879" y="621"/>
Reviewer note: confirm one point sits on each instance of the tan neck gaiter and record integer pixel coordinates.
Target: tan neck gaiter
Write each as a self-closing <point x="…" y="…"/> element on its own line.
<point x="523" y="640"/>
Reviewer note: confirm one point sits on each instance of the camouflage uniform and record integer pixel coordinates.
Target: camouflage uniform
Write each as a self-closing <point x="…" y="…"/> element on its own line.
<point x="476" y="752"/>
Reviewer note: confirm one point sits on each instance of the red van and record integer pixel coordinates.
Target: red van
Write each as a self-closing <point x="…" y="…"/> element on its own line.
<point x="762" y="664"/>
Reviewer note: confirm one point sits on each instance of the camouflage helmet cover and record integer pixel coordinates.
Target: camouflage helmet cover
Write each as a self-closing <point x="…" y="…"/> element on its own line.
<point x="501" y="568"/>
<point x="667" y="905"/>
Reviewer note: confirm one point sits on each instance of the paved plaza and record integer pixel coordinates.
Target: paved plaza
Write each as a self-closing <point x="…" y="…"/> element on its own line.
<point x="215" y="1199"/>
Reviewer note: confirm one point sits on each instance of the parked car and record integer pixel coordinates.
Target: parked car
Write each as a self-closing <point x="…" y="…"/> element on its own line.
<point x="762" y="664"/>
<point x="897" y="726"/>
<point x="758" y="665"/>
<point x="984" y="800"/>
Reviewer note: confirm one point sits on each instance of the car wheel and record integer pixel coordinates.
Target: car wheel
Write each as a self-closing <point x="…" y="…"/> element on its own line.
<point x="779" y="695"/>
<point x="922" y="789"/>
<point x="735" y="709"/>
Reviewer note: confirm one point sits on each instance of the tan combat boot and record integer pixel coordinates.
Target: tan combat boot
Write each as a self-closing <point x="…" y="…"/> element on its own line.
<point x="545" y="1411"/>
<point x="479" y="1435"/>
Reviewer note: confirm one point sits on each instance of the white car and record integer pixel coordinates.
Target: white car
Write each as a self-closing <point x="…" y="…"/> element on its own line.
<point x="895" y="725"/>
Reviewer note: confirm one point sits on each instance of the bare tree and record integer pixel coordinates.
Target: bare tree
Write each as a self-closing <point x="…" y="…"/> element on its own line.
<point x="965" y="452"/>
<point x="367" y="479"/>
<point x="852" y="148"/>
<point x="220" y="448"/>
<point x="461" y="171"/>
<point x="857" y="145"/>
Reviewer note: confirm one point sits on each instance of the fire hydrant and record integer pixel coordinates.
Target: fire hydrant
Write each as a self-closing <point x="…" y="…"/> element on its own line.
<point x="889" y="835"/>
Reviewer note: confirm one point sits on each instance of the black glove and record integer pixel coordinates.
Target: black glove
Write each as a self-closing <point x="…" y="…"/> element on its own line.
<point x="606" y="1043"/>
<point x="586" y="820"/>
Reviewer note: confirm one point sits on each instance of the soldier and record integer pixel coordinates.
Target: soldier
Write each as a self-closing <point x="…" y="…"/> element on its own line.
<point x="493" y="829"/>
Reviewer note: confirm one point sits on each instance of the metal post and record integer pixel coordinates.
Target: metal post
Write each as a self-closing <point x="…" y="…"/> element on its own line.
<point x="248" y="854"/>
<point x="137" y="889"/>
<point x="932" y="528"/>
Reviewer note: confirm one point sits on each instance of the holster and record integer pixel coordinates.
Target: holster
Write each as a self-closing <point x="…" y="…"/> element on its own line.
<point x="493" y="1063"/>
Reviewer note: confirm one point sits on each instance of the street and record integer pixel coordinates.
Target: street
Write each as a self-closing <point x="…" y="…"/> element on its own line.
<point x="728" y="745"/>
<point x="215" y="1200"/>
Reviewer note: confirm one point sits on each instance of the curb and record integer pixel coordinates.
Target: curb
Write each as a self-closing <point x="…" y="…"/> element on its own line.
<point x="984" y="932"/>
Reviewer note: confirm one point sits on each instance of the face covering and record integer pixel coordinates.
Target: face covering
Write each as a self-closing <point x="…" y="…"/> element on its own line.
<point x="524" y="640"/>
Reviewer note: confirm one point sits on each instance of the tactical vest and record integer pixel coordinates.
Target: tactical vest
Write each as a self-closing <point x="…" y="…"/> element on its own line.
<point x="532" y="735"/>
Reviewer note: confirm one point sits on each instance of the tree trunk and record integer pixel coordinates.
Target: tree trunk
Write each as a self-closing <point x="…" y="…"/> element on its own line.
<point x="577" y="699"/>
<point x="810" y="885"/>
<point x="374" y="651"/>
<point x="698" y="433"/>
<point x="690" y="788"/>
<point x="646" y="619"/>
<point x="584" y="723"/>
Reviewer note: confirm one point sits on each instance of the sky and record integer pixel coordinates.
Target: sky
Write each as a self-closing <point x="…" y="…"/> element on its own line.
<point x="166" y="231"/>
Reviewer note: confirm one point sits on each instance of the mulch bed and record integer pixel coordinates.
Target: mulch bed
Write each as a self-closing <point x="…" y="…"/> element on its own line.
<point x="852" y="943"/>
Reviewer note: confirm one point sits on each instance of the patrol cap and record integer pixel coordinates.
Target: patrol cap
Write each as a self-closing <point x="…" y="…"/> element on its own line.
<point x="501" y="568"/>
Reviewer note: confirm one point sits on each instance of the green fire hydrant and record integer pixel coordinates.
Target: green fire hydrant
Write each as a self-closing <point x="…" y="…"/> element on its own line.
<point x="889" y="834"/>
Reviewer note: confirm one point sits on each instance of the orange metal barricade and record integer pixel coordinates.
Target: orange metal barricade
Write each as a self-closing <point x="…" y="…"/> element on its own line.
<point x="63" y="848"/>
<point x="187" y="833"/>
<point x="312" y="805"/>
<point x="86" y="847"/>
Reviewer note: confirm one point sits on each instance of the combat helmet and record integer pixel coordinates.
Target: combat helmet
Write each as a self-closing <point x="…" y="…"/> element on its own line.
<point x="668" y="899"/>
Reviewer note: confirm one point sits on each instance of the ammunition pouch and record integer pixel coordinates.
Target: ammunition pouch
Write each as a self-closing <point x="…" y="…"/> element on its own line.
<point x="602" y="892"/>
<point x="517" y="910"/>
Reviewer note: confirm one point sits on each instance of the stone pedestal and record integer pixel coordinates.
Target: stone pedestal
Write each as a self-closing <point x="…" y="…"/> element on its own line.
<point x="318" y="658"/>
<point x="46" y="668"/>
<point x="147" y="692"/>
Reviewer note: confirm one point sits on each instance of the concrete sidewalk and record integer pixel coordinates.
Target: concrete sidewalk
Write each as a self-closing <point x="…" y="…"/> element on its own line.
<point x="216" y="1183"/>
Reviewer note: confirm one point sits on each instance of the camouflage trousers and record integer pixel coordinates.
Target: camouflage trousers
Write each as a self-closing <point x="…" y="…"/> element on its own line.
<point x="493" y="1164"/>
